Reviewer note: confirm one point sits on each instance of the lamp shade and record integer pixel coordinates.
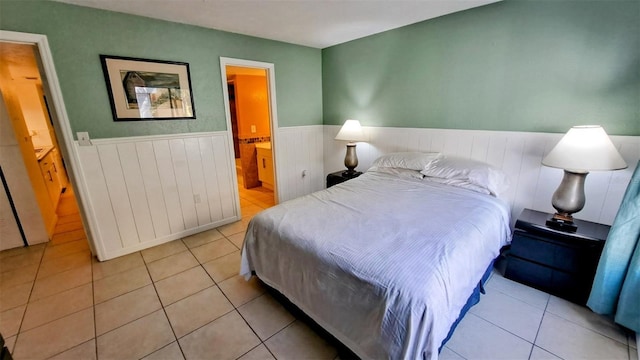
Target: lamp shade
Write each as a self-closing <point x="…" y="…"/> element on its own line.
<point x="351" y="131"/>
<point x="583" y="149"/>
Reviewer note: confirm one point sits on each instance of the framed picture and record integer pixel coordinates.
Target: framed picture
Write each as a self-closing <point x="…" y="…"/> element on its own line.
<point x="142" y="89"/>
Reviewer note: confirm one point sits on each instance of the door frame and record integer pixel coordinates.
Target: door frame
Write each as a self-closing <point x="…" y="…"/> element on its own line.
<point x="62" y="127"/>
<point x="273" y="113"/>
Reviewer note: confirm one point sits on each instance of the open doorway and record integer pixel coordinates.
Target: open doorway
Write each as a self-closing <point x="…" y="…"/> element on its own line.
<point x="37" y="185"/>
<point x="251" y="118"/>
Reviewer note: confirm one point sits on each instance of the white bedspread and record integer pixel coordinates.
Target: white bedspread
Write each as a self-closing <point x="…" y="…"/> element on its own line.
<point x="385" y="264"/>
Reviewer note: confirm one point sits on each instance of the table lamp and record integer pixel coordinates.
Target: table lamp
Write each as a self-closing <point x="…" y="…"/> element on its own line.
<point x="352" y="132"/>
<point x="582" y="149"/>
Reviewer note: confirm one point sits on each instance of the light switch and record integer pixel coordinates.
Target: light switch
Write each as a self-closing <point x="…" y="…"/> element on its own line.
<point x="83" y="138"/>
<point x="253" y="129"/>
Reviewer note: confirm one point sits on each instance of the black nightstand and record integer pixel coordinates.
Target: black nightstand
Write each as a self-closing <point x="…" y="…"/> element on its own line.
<point x="341" y="176"/>
<point x="557" y="262"/>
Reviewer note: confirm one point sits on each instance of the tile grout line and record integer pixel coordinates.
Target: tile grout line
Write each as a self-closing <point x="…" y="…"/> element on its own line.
<point x="26" y="305"/>
<point x="544" y="312"/>
<point x="95" y="322"/>
<point x="164" y="310"/>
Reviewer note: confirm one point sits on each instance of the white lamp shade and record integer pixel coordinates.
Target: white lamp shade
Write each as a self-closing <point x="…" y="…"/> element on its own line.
<point x="583" y="149"/>
<point x="351" y="131"/>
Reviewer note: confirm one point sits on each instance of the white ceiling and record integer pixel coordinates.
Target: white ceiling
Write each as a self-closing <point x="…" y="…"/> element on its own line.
<point x="315" y="23"/>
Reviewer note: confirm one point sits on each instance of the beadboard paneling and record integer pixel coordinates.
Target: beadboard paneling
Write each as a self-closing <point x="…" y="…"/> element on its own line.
<point x="299" y="149"/>
<point x="518" y="154"/>
<point x="145" y="191"/>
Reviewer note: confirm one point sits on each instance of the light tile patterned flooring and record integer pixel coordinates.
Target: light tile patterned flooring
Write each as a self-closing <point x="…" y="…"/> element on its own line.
<point x="183" y="300"/>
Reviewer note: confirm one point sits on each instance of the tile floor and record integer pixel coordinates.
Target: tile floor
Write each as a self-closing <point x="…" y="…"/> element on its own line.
<point x="183" y="300"/>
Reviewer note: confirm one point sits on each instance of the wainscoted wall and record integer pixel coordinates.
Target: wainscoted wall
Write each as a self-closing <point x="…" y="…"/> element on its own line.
<point x="147" y="190"/>
<point x="144" y="191"/>
<point x="299" y="149"/>
<point x="519" y="154"/>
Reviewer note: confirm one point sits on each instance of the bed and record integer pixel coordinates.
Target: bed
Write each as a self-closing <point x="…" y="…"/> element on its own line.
<point x="387" y="261"/>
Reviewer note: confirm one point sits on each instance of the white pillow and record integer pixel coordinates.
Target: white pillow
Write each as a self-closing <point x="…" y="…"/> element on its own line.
<point x="400" y="172"/>
<point x="459" y="183"/>
<point x="475" y="172"/>
<point x="406" y="160"/>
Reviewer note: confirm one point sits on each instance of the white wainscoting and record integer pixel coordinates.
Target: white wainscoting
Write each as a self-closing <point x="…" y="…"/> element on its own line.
<point x="299" y="149"/>
<point x="144" y="191"/>
<point x="147" y="190"/>
<point x="518" y="154"/>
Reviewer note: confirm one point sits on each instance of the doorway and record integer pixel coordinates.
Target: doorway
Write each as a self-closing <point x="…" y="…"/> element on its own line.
<point x="36" y="167"/>
<point x="249" y="103"/>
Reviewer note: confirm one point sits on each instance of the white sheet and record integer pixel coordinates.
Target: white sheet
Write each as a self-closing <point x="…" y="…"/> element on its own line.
<point x="383" y="263"/>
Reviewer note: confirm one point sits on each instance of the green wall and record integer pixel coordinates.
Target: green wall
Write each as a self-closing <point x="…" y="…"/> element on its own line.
<point x="514" y="65"/>
<point x="77" y="36"/>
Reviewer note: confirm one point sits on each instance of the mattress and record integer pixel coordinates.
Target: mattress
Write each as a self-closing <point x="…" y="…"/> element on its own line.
<point x="384" y="263"/>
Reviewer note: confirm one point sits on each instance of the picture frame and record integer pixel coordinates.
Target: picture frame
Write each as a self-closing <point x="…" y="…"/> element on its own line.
<point x="145" y="89"/>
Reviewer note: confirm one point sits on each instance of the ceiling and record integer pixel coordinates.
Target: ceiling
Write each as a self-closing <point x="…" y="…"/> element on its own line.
<point x="314" y="23"/>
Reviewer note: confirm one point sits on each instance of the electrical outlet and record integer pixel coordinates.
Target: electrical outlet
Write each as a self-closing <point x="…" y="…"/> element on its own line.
<point x="83" y="138"/>
<point x="196" y="198"/>
<point x="304" y="173"/>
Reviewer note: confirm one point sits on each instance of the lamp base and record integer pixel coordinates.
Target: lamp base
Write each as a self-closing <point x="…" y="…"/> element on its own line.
<point x="351" y="158"/>
<point x="562" y="222"/>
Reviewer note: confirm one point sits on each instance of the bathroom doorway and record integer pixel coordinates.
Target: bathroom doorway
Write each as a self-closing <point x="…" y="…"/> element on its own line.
<point x="38" y="187"/>
<point x="249" y="104"/>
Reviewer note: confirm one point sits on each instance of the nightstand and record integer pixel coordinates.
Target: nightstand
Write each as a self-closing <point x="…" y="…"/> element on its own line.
<point x="557" y="262"/>
<point x="341" y="176"/>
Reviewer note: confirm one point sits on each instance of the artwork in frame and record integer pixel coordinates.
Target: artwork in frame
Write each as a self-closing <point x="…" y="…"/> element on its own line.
<point x="143" y="89"/>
